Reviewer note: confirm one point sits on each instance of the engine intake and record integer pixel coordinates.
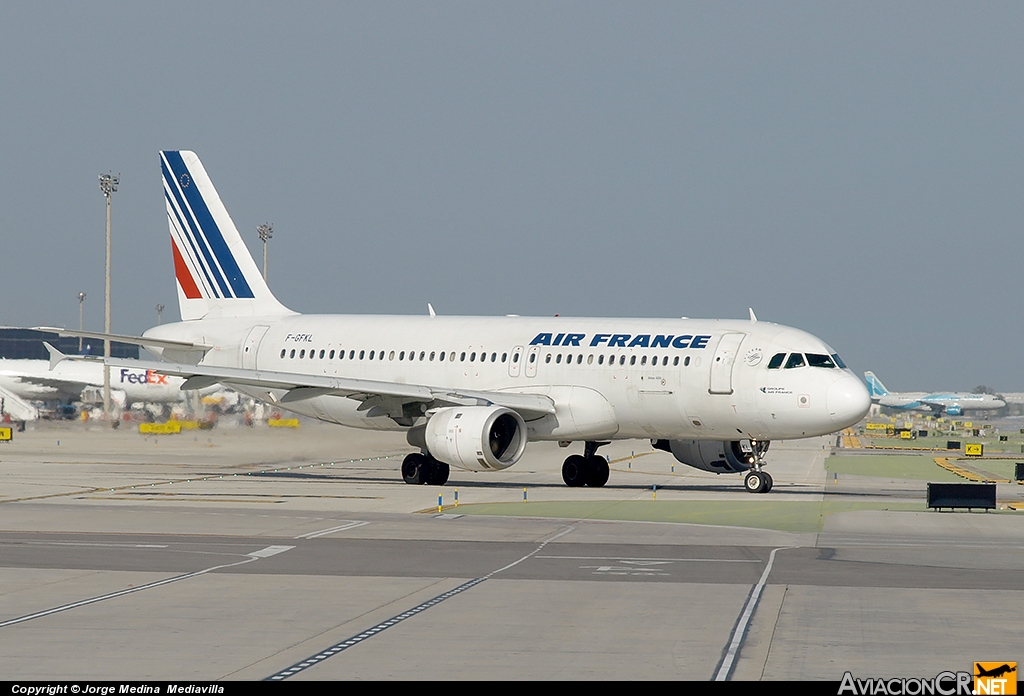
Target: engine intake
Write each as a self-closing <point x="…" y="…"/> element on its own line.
<point x="713" y="455"/>
<point x="476" y="438"/>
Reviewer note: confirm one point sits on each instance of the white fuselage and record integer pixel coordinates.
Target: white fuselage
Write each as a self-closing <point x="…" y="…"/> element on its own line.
<point x="608" y="378"/>
<point x="33" y="380"/>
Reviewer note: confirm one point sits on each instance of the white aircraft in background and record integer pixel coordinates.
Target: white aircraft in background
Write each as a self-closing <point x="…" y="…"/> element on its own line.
<point x="24" y="381"/>
<point x="470" y="392"/>
<point x="950" y="403"/>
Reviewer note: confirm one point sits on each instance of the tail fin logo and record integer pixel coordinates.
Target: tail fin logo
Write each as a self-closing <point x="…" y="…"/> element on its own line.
<point x="207" y="267"/>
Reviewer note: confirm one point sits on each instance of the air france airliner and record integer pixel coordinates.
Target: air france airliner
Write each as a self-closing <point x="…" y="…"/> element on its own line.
<point x="471" y="392"/>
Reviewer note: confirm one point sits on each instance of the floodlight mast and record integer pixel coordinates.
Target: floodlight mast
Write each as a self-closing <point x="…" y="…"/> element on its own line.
<point x="81" y="304"/>
<point x="266" y="232"/>
<point x="108" y="186"/>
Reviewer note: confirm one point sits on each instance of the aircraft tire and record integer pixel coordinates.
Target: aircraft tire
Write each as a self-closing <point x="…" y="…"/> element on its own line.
<point x="440" y="473"/>
<point x="414" y="466"/>
<point x="767" y="481"/>
<point x="599" y="471"/>
<point x="754" y="482"/>
<point x="575" y="471"/>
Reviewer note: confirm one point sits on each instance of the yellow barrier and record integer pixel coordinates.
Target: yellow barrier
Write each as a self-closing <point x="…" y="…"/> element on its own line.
<point x="6" y="434"/>
<point x="169" y="428"/>
<point x="283" y="422"/>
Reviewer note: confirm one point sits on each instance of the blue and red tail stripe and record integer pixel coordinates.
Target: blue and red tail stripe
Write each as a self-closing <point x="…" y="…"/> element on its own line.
<point x="206" y="256"/>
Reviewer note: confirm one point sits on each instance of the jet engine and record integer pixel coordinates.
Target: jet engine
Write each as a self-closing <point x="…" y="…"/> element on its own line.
<point x="713" y="455"/>
<point x="954" y="410"/>
<point x="477" y="438"/>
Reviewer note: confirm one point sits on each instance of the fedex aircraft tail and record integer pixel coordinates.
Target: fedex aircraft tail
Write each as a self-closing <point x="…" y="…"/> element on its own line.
<point x="216" y="275"/>
<point x="875" y="386"/>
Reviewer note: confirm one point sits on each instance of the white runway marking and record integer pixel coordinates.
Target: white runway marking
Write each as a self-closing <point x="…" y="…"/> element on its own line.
<point x="740" y="631"/>
<point x="369" y="633"/>
<point x="349" y="524"/>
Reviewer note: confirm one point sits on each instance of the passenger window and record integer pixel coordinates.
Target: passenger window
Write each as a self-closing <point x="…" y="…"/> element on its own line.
<point x="302" y="353"/>
<point x="795" y="360"/>
<point x="590" y="359"/>
<point x="675" y="361"/>
<point x="776" y="361"/>
<point x="331" y="355"/>
<point x="600" y="359"/>
<point x="503" y="356"/>
<point x="579" y="359"/>
<point x="282" y="352"/>
<point x="558" y="360"/>
<point x="322" y="353"/>
<point x="632" y="360"/>
<point x="472" y="356"/>
<point x="431" y="356"/>
<point x="401" y="356"/>
<point x="362" y="354"/>
<point x="352" y="355"/>
<point x="622" y="360"/>
<point x="451" y="357"/>
<point x="547" y="358"/>
<point x="686" y="362"/>
<point x="533" y="356"/>
<point x="643" y="360"/>
<point x="818" y="360"/>
<point x="462" y="357"/>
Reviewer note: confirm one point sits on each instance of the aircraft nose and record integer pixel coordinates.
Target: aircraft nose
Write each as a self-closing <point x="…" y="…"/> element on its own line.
<point x="847" y="400"/>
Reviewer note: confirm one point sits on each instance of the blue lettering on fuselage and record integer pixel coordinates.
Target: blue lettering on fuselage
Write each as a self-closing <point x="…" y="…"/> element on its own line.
<point x="622" y="340"/>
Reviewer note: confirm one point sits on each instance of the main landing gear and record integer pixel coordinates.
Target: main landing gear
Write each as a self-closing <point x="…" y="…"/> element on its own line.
<point x="588" y="469"/>
<point x="423" y="469"/>
<point x="757" y="479"/>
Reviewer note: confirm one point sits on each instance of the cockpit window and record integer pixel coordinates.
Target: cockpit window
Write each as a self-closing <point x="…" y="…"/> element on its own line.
<point x="776" y="361"/>
<point x="795" y="360"/>
<point x="838" y="361"/>
<point x="816" y="360"/>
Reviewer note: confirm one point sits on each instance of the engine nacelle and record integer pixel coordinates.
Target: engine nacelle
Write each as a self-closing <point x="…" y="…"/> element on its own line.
<point x="477" y="438"/>
<point x="713" y="455"/>
<point x="954" y="410"/>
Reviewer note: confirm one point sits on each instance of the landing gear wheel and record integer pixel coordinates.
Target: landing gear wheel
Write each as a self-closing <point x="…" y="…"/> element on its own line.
<point x="755" y="482"/>
<point x="439" y="474"/>
<point x="414" y="466"/>
<point x="598" y="471"/>
<point x="575" y="471"/>
<point x="767" y="481"/>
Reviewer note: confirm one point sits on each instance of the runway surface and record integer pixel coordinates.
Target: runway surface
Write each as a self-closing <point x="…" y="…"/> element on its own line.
<point x="263" y="554"/>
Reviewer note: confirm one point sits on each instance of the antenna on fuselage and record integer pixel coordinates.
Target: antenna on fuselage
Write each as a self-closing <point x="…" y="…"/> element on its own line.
<point x="430" y="308"/>
<point x="753" y="317"/>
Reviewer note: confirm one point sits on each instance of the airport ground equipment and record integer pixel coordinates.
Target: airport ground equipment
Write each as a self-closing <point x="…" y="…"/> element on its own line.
<point x="962" y="495"/>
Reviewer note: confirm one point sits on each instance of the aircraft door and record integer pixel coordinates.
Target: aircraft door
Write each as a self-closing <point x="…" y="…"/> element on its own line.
<point x="251" y="346"/>
<point x="723" y="362"/>
<point x="514" y="361"/>
<point x="532" y="358"/>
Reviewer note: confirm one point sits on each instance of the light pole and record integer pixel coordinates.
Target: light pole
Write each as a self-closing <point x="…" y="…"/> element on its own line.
<point x="108" y="185"/>
<point x="81" y="304"/>
<point x="266" y="231"/>
<point x="159" y="314"/>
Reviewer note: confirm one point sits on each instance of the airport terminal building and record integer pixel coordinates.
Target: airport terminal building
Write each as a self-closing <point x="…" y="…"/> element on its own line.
<point x="27" y="344"/>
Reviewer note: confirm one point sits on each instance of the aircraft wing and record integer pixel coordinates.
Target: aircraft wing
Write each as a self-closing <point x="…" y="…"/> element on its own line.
<point x="388" y="397"/>
<point x="66" y="386"/>
<point x="133" y="340"/>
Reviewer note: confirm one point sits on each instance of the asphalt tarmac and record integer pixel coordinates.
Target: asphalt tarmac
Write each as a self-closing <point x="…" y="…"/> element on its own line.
<point x="252" y="554"/>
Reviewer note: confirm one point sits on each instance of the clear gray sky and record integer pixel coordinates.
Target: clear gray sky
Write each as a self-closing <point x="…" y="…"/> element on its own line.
<point x="852" y="169"/>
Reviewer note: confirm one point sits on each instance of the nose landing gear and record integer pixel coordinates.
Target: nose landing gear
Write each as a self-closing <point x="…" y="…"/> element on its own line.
<point x="758" y="480"/>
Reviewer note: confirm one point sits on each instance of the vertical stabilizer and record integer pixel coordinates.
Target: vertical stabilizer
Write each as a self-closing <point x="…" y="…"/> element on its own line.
<point x="875" y="386"/>
<point x="215" y="273"/>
